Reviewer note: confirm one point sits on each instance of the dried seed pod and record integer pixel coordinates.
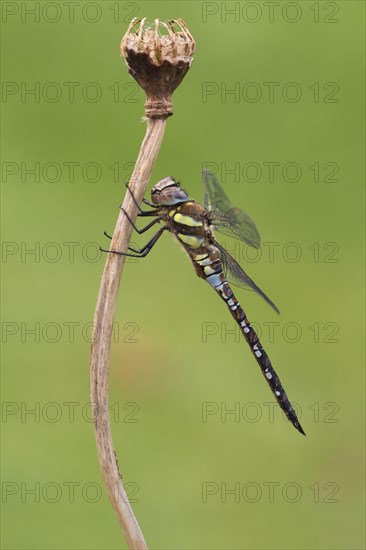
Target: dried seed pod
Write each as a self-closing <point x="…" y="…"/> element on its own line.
<point x="158" y="62"/>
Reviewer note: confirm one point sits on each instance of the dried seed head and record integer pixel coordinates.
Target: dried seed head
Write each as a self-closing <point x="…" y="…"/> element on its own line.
<point x="158" y="62"/>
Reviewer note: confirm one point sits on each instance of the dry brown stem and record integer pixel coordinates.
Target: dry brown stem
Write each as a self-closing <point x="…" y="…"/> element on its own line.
<point x="158" y="63"/>
<point x="103" y="321"/>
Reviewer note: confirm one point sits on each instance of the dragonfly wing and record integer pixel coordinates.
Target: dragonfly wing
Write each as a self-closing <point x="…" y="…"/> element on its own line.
<point x="227" y="219"/>
<point x="238" y="225"/>
<point x="235" y="274"/>
<point x="215" y="197"/>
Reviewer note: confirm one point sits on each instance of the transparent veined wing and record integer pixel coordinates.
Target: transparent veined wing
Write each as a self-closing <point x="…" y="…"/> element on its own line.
<point x="225" y="218"/>
<point x="235" y="223"/>
<point x="235" y="274"/>
<point x="215" y="197"/>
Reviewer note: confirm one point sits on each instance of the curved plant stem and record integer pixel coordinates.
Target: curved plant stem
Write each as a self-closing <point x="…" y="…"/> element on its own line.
<point x="103" y="321"/>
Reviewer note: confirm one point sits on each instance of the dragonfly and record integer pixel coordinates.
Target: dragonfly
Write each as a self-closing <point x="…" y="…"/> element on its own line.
<point x="194" y="225"/>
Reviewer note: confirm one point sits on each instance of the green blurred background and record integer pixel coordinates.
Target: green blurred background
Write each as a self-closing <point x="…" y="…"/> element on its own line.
<point x="174" y="357"/>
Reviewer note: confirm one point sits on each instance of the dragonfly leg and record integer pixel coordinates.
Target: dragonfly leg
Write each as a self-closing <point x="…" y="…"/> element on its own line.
<point x="140" y="231"/>
<point x="144" y="250"/>
<point x="145" y="213"/>
<point x="148" y="213"/>
<point x="145" y="201"/>
<point x="129" y="248"/>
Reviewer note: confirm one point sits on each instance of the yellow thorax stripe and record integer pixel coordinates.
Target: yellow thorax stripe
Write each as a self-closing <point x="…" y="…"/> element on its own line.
<point x="191" y="240"/>
<point x="187" y="220"/>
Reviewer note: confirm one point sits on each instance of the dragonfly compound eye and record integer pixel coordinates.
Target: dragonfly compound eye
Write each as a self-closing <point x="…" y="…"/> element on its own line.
<point x="172" y="195"/>
<point x="155" y="196"/>
<point x="168" y="192"/>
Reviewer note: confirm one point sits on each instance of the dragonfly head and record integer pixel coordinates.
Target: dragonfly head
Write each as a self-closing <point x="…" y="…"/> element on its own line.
<point x="168" y="192"/>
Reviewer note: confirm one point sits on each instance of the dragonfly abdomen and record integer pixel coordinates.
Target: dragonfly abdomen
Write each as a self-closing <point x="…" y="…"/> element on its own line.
<point x="207" y="264"/>
<point x="222" y="287"/>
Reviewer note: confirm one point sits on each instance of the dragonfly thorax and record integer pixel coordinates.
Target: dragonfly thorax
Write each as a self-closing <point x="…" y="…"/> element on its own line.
<point x="168" y="192"/>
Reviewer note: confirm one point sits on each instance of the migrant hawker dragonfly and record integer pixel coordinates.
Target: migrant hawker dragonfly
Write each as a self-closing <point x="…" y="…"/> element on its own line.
<point x="193" y="226"/>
